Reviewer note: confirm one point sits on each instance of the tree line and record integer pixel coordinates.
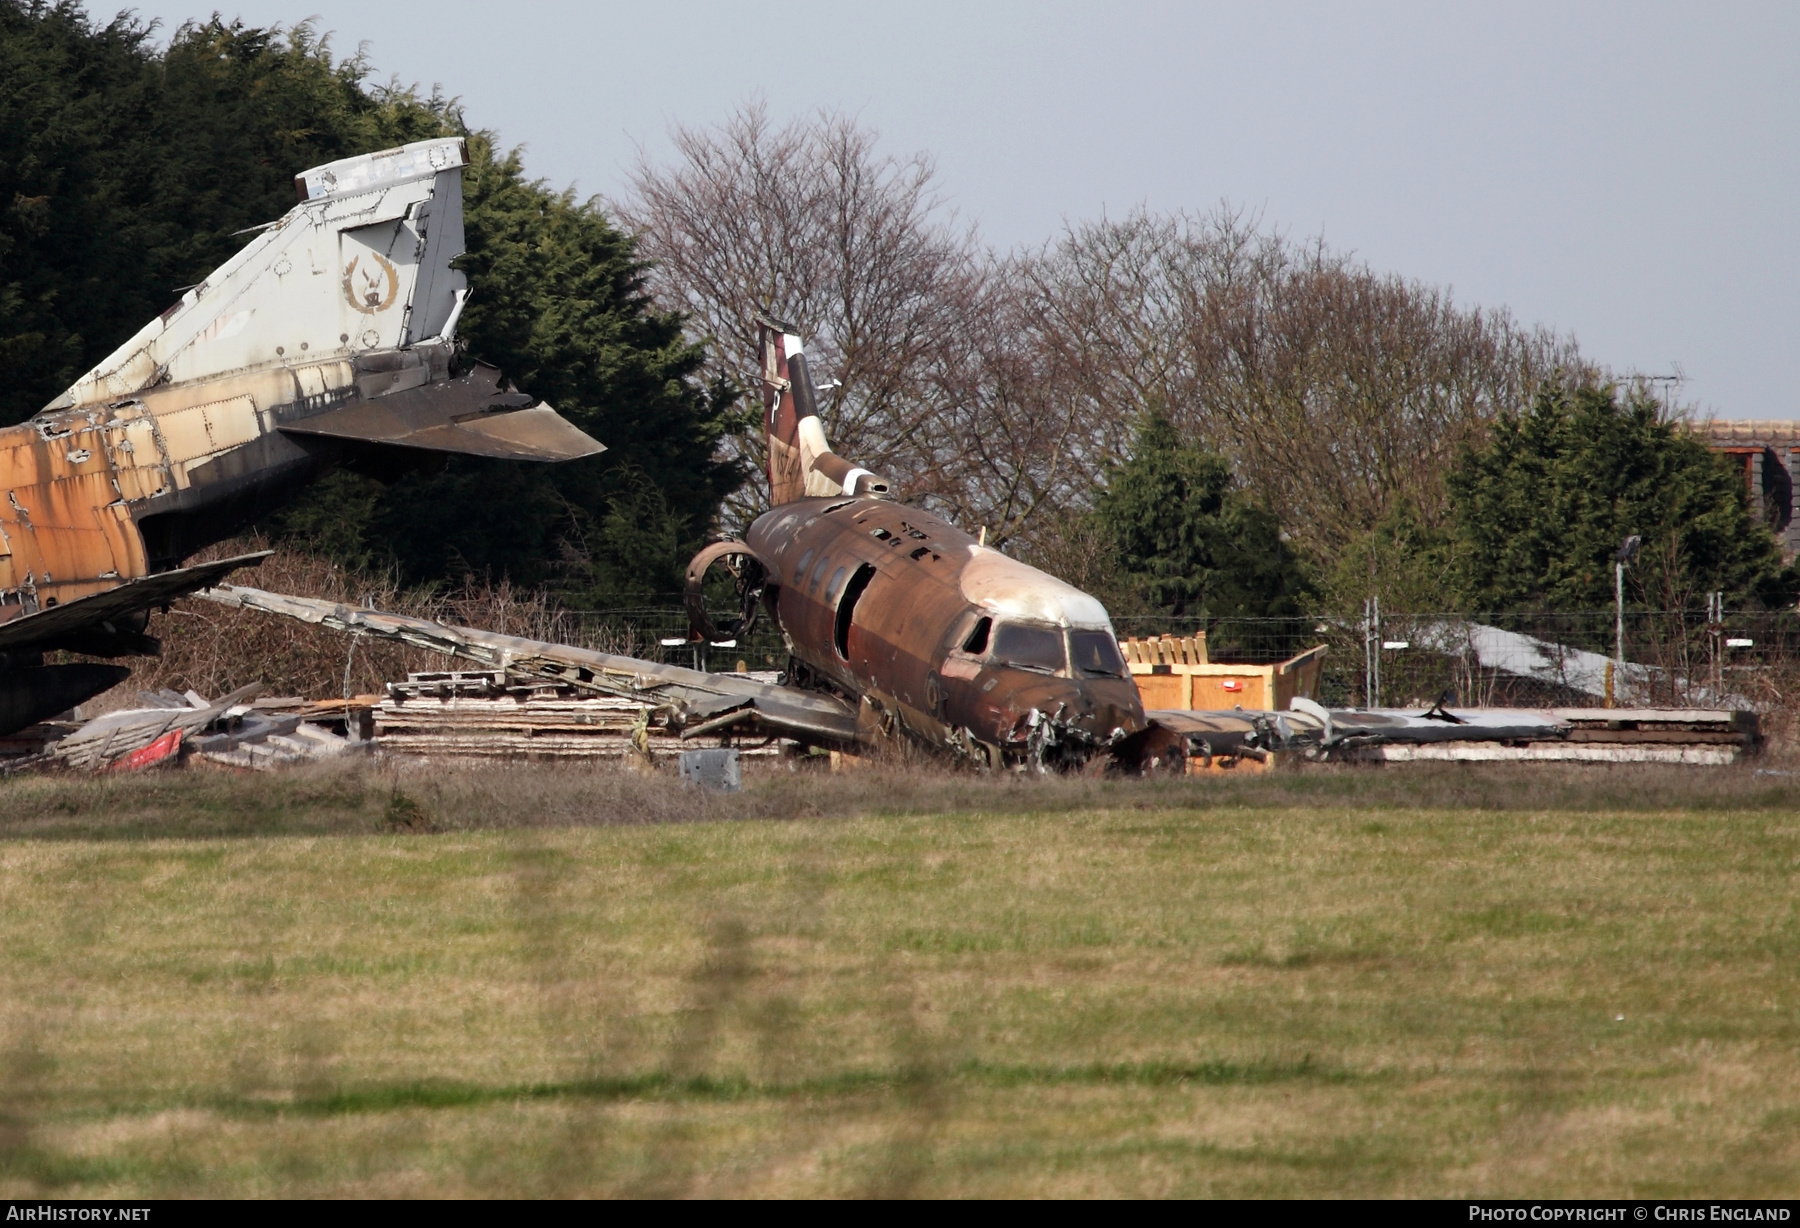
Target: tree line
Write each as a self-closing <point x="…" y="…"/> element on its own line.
<point x="1188" y="413"/>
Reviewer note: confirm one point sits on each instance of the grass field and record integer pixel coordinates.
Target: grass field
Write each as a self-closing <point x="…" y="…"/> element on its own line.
<point x="560" y="981"/>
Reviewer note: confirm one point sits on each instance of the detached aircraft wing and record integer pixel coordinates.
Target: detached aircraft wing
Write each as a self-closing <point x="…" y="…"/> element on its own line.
<point x="1322" y="733"/>
<point x="696" y="703"/>
<point x="52" y="626"/>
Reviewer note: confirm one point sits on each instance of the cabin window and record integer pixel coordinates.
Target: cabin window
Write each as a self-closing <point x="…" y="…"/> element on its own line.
<point x="853" y="591"/>
<point x="800" y="569"/>
<point x="1095" y="652"/>
<point x="818" y="574"/>
<point x="837" y="578"/>
<point x="1029" y="647"/>
<point x="976" y="643"/>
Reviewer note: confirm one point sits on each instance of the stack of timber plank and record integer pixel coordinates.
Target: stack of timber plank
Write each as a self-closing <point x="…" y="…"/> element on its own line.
<point x="480" y="714"/>
<point x="1701" y="737"/>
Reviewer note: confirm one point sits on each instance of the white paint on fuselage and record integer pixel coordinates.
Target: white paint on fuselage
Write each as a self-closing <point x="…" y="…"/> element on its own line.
<point x="1011" y="589"/>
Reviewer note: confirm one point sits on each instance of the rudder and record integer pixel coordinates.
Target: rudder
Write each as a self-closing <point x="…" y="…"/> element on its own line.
<point x="801" y="462"/>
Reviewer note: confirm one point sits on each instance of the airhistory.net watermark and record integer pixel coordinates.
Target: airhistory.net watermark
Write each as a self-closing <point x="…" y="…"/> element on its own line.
<point x="63" y="1213"/>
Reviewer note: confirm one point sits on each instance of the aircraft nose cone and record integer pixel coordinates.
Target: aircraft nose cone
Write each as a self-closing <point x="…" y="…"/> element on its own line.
<point x="1096" y="706"/>
<point x="1107" y="704"/>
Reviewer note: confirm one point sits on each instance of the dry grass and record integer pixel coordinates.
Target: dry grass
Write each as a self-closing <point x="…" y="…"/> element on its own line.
<point x="214" y="650"/>
<point x="373" y="797"/>
<point x="1373" y="982"/>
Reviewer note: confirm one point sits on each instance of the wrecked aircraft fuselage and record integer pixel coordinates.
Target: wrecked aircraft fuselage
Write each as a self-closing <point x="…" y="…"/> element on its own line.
<point x="928" y="633"/>
<point x="952" y="642"/>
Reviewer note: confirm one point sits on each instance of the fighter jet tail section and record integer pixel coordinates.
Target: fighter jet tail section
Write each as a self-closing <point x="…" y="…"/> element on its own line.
<point x="330" y="338"/>
<point x="338" y="322"/>
<point x="801" y="462"/>
<point x="361" y="266"/>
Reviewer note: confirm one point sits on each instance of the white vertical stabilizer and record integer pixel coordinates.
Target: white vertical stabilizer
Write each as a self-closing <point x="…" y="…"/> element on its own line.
<point x="361" y="264"/>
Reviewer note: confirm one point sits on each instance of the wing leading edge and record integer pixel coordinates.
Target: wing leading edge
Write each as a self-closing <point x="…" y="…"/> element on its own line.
<point x="697" y="703"/>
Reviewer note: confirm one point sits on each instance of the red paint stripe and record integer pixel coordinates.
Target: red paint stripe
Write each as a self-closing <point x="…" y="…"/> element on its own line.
<point x="147" y="756"/>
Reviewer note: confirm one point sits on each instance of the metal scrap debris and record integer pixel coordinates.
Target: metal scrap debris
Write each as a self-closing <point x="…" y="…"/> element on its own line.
<point x="169" y="728"/>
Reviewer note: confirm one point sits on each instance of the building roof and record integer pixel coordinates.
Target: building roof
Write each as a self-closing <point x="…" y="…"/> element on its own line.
<point x="1768" y="432"/>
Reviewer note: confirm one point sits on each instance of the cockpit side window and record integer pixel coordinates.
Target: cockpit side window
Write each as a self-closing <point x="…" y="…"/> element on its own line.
<point x="1095" y="653"/>
<point x="976" y="641"/>
<point x="1039" y="648"/>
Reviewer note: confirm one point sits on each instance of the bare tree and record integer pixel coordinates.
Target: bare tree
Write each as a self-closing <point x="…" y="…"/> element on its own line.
<point x="1335" y="391"/>
<point x="810" y="223"/>
<point x="999" y="389"/>
<point x="1007" y="443"/>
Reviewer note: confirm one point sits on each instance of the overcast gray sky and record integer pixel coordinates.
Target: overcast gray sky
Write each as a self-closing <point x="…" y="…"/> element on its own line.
<point x="1624" y="172"/>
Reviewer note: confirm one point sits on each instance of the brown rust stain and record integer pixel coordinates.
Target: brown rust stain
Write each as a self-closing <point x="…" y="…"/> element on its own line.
<point x="71" y="482"/>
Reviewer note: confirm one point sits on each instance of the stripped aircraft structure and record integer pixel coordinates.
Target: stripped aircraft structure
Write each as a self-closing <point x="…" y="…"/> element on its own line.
<point x="329" y="340"/>
<point x="899" y="627"/>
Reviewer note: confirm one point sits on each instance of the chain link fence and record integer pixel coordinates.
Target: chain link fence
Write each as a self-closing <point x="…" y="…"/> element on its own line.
<point x="1671" y="658"/>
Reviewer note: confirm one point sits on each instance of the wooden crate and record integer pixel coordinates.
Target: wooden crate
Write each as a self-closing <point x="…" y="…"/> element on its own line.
<point x="1173" y="673"/>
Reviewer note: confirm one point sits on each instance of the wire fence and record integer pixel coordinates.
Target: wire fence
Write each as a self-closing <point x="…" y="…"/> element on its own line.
<point x="1651" y="658"/>
<point x="660" y="633"/>
<point x="1669" y="658"/>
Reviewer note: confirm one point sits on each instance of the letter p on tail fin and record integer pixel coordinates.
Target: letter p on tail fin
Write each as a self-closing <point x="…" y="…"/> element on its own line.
<point x="801" y="464"/>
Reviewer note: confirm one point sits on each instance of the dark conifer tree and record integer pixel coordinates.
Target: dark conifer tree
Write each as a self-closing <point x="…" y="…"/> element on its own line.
<point x="1542" y="505"/>
<point x="125" y="171"/>
<point x="1188" y="542"/>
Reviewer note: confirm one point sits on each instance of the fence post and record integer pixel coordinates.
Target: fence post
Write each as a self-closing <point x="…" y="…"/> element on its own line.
<point x="1372" y="652"/>
<point x="1715" y="632"/>
<point x="1619" y="613"/>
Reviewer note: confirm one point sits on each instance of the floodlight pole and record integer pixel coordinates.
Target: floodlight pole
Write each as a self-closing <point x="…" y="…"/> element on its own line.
<point x="1626" y="552"/>
<point x="1715" y="631"/>
<point x="1372" y="652"/>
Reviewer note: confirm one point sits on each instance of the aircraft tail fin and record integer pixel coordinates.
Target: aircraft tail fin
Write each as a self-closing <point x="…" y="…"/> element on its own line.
<point x="339" y="320"/>
<point x="801" y="462"/>
<point x="360" y="266"/>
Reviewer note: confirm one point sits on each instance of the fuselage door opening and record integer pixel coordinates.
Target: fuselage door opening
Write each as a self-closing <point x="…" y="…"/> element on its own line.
<point x="853" y="591"/>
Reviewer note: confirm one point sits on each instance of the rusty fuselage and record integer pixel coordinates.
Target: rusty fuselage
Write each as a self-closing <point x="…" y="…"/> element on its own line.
<point x="954" y="642"/>
<point x="100" y="494"/>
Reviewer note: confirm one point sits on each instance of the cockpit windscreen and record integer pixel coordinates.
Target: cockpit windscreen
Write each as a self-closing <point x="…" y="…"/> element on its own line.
<point x="1095" y="653"/>
<point x="1030" y="647"/>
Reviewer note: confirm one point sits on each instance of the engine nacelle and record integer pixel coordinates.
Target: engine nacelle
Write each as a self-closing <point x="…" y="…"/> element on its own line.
<point x="748" y="575"/>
